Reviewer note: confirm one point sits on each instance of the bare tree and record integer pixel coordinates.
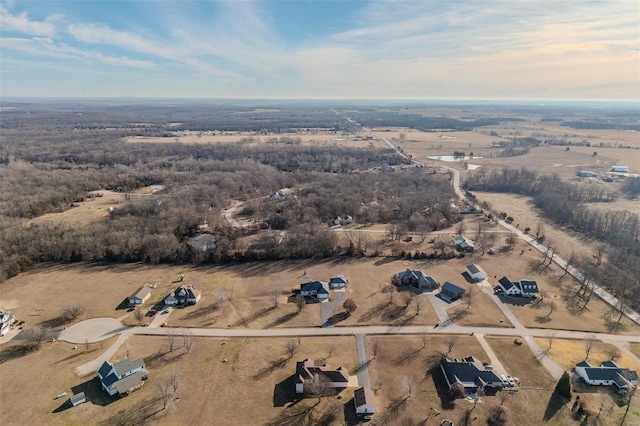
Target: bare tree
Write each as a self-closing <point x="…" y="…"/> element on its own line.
<point x="187" y="340"/>
<point x="550" y="338"/>
<point x="36" y="335"/>
<point x="138" y="315"/>
<point x="300" y="302"/>
<point x="317" y="387"/>
<point x="612" y="352"/>
<point x="392" y="294"/>
<point x="589" y="342"/>
<point x="440" y="244"/>
<point x="378" y="383"/>
<point x="73" y="311"/>
<point x="460" y="228"/>
<point x="424" y="339"/>
<point x="171" y="339"/>
<point x="350" y="306"/>
<point x="418" y="304"/>
<point x="539" y="230"/>
<point x="456" y="391"/>
<point x="511" y="240"/>
<point x="552" y="307"/>
<point x="394" y="231"/>
<point x="164" y="391"/>
<point x="330" y="349"/>
<point x="410" y="386"/>
<point x="175" y="378"/>
<point x="450" y="342"/>
<point x="374" y="349"/>
<point x="274" y="295"/>
<point x="569" y="263"/>
<point x="499" y="414"/>
<point x="469" y="296"/>
<point x="291" y="348"/>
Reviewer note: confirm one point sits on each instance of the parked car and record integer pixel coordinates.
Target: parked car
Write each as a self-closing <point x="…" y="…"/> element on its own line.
<point x="512" y="382"/>
<point x="504" y="380"/>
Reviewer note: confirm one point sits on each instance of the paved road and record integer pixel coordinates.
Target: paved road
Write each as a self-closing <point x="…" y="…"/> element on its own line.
<point x="92" y="330"/>
<point x="93" y="365"/>
<point x="363" y="362"/>
<point x="441" y="307"/>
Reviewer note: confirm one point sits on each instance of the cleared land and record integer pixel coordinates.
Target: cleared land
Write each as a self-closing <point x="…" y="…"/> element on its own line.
<point x="210" y="392"/>
<point x="568" y="353"/>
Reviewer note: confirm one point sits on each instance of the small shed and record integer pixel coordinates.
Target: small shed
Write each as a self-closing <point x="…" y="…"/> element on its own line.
<point x="365" y="401"/>
<point x="476" y="273"/>
<point x="78" y="399"/>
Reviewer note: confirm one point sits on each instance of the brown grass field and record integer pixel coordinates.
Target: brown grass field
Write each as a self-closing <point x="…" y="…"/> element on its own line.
<point x="568" y="353"/>
<point x="533" y="403"/>
<point x="635" y="348"/>
<point x="215" y="392"/>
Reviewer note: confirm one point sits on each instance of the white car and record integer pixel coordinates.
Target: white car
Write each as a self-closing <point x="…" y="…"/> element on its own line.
<point x="504" y="380"/>
<point x="512" y="382"/>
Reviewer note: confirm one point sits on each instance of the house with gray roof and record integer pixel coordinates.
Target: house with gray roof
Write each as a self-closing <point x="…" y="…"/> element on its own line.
<point x="450" y="292"/>
<point x="464" y="244"/>
<point x="524" y="288"/>
<point x="338" y="282"/>
<point x="607" y="374"/>
<point x="476" y="273"/>
<point x="470" y="373"/>
<point x="417" y="280"/>
<point x="183" y="295"/>
<point x="140" y="296"/>
<point x="123" y="377"/>
<point x="315" y="289"/>
<point x="307" y="372"/>
<point x="365" y="401"/>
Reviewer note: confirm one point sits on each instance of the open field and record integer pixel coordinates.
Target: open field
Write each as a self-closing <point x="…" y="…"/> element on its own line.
<point x="635" y="348"/>
<point x="568" y="353"/>
<point x="257" y="370"/>
<point x="520" y="362"/>
<point x="482" y="312"/>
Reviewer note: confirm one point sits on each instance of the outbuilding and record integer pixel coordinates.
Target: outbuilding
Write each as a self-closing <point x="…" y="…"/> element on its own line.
<point x="476" y="273"/>
<point x="140" y="296"/>
<point x="78" y="399"/>
<point x="365" y="401"/>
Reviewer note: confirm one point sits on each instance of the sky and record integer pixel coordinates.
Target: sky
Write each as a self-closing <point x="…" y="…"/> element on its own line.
<point x="305" y="49"/>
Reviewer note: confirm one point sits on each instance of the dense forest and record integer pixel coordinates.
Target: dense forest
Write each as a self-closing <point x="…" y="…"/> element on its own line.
<point x="53" y="158"/>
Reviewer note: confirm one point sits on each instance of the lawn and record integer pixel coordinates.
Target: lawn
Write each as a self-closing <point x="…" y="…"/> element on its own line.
<point x="256" y="370"/>
<point x="567" y="353"/>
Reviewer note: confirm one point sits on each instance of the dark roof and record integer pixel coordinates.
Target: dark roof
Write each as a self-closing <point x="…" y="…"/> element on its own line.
<point x="609" y="370"/>
<point x="129" y="382"/>
<point x="468" y="370"/>
<point x="431" y="281"/>
<point x="186" y="292"/>
<point x="109" y="380"/>
<point x="450" y="288"/>
<point x="474" y="269"/>
<point x="104" y="369"/>
<point x="583" y="364"/>
<point x="411" y="275"/>
<point x="339" y="279"/>
<point x="609" y="364"/>
<point x="364" y="396"/>
<point x="126" y="365"/>
<point x="528" y="286"/>
<point x="505" y="283"/>
<point x="317" y="286"/>
<point x="305" y="370"/>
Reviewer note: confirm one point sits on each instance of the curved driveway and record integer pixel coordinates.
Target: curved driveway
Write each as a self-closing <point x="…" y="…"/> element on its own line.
<point x="92" y="330"/>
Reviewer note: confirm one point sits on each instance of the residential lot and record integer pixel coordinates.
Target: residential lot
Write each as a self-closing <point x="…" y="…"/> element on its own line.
<point x="211" y="391"/>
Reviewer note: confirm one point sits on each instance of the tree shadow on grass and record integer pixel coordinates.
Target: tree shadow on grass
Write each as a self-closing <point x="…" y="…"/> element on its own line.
<point x="273" y="365"/>
<point x="284" y="318"/>
<point x="543" y="319"/>
<point x="406" y="357"/>
<point x="293" y="416"/>
<point x="138" y="414"/>
<point x="393" y="411"/>
<point x="56" y="322"/>
<point x="203" y="311"/>
<point x="339" y="317"/>
<point x="555" y="403"/>
<point x="15" y="352"/>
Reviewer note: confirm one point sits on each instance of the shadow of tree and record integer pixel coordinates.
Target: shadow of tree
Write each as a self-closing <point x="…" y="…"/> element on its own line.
<point x="339" y="317"/>
<point x="273" y="365"/>
<point x="254" y="316"/>
<point x="58" y="321"/>
<point x="555" y="403"/>
<point x="392" y="412"/>
<point x="281" y="320"/>
<point x="293" y="416"/>
<point x="406" y="356"/>
<point x="202" y="311"/>
<point x="543" y="319"/>
<point x="138" y="414"/>
<point x="17" y="351"/>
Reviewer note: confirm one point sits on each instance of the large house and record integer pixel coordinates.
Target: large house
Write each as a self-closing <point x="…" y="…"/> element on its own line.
<point x="123" y="377"/>
<point x="417" y="280"/>
<point x="365" y="401"/>
<point x="307" y="373"/>
<point x="470" y="373"/>
<point x="183" y="295"/>
<point x="315" y="289"/>
<point x="524" y="288"/>
<point x="6" y="319"/>
<point x="476" y="273"/>
<point x="140" y="296"/>
<point x="338" y="282"/>
<point x="450" y="292"/>
<point x="464" y="244"/>
<point x="607" y="374"/>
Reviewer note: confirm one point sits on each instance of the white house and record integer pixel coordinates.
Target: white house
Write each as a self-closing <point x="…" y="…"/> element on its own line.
<point x="508" y="287"/>
<point x="123" y="377"/>
<point x="607" y="374"/>
<point x="183" y="295"/>
<point x="315" y="289"/>
<point x="365" y="401"/>
<point x="620" y="169"/>
<point x="524" y="288"/>
<point x="476" y="273"/>
<point x="307" y="373"/>
<point x="6" y="319"/>
<point x="470" y="373"/>
<point x="140" y="296"/>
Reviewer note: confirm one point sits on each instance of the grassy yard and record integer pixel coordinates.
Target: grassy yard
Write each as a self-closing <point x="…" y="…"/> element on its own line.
<point x="257" y="370"/>
<point x="568" y="353"/>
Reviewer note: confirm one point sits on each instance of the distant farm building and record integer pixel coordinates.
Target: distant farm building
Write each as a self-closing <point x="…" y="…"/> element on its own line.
<point x="586" y="173"/>
<point x="620" y="169"/>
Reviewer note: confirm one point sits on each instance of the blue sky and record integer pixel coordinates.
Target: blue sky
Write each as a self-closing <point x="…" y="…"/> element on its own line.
<point x="526" y="49"/>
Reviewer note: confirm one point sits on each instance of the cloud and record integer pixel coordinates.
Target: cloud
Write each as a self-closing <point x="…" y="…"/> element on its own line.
<point x="22" y="24"/>
<point x="46" y="47"/>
